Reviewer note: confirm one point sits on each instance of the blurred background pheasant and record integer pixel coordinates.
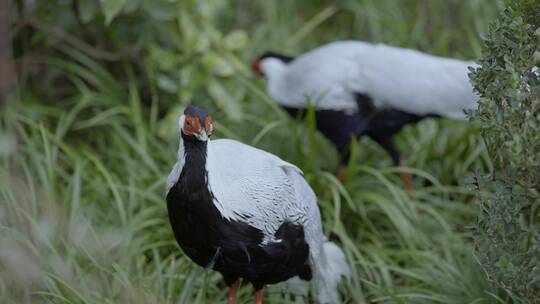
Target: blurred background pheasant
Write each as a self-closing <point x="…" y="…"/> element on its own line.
<point x="358" y="88"/>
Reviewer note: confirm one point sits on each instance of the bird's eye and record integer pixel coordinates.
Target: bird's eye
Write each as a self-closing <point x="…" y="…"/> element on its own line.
<point x="188" y="123"/>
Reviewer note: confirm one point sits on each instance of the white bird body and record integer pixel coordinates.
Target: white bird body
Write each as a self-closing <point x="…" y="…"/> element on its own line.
<point x="395" y="78"/>
<point x="259" y="188"/>
<point x="251" y="186"/>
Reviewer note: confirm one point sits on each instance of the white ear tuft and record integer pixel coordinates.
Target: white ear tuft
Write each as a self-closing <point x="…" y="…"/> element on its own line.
<point x="181" y="122"/>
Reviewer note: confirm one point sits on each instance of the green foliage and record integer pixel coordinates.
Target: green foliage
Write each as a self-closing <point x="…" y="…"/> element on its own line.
<point x="85" y="153"/>
<point x="508" y="230"/>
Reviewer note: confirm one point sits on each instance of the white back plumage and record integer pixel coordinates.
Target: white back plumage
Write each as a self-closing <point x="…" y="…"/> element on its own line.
<point x="397" y="78"/>
<point x="258" y="188"/>
<point x="255" y="187"/>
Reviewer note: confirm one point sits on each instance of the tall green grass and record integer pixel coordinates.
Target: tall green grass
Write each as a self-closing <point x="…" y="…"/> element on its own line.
<point x="84" y="162"/>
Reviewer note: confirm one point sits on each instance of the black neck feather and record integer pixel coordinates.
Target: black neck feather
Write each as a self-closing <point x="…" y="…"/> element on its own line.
<point x="282" y="57"/>
<point x="194" y="174"/>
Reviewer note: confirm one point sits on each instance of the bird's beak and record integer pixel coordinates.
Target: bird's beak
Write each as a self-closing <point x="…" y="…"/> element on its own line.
<point x="202" y="136"/>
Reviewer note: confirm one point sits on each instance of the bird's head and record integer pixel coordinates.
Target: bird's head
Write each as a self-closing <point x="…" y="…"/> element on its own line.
<point x="196" y="122"/>
<point x="265" y="63"/>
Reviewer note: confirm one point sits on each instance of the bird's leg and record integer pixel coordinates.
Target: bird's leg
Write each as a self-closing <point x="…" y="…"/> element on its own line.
<point x="406" y="177"/>
<point x="341" y="173"/>
<point x="231" y="296"/>
<point x="342" y="170"/>
<point x="390" y="148"/>
<point x="258" y="296"/>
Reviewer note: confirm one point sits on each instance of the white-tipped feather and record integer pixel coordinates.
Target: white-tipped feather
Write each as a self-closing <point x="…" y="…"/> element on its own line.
<point x="397" y="78"/>
<point x="332" y="267"/>
<point x="328" y="263"/>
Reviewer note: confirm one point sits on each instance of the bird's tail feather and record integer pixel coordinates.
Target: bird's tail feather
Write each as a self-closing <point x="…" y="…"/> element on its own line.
<point x="331" y="267"/>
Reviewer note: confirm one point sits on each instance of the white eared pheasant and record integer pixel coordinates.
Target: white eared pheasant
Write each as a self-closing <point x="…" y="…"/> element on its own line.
<point x="359" y="88"/>
<point x="247" y="214"/>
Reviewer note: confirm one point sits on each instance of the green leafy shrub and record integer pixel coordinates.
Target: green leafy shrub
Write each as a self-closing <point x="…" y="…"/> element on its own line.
<point x="507" y="235"/>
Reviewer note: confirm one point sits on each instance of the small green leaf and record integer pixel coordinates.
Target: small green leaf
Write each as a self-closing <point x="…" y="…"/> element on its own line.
<point x="224" y="100"/>
<point x="131" y="6"/>
<point x="235" y="40"/>
<point x="87" y="10"/>
<point x="217" y="65"/>
<point x="536" y="57"/>
<point x="160" y="10"/>
<point x="111" y="8"/>
<point x="165" y="59"/>
<point x="167" y="84"/>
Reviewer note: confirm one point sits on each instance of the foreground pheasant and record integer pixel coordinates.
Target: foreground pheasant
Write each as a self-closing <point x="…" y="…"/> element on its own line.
<point x="359" y="88"/>
<point x="247" y="214"/>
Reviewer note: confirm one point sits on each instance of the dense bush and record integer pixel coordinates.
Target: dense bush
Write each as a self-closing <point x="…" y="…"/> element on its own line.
<point x="508" y="229"/>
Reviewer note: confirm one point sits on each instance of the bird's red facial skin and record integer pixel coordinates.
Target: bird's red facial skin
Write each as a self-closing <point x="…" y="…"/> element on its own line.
<point x="192" y="125"/>
<point x="256" y="66"/>
<point x="208" y="125"/>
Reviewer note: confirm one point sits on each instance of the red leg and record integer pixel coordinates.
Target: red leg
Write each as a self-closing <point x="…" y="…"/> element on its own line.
<point x="406" y="177"/>
<point x="231" y="296"/>
<point x="258" y="296"/>
<point x="341" y="173"/>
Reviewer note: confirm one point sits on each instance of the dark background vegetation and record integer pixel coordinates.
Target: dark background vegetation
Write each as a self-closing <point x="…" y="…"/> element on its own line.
<point x="89" y="135"/>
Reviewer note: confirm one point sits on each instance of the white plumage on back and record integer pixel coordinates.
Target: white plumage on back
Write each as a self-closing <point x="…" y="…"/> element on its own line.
<point x="396" y="78"/>
<point x="256" y="187"/>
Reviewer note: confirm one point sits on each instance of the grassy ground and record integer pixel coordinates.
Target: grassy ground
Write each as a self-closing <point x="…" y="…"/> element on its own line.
<point x="86" y="149"/>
